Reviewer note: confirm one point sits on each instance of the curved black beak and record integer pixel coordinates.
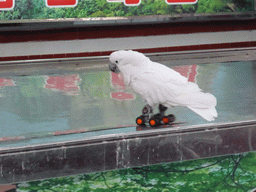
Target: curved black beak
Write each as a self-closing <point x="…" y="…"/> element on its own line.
<point x="114" y="68"/>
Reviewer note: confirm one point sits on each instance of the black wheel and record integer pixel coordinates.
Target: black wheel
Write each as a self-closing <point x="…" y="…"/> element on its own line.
<point x="171" y="118"/>
<point x="140" y="120"/>
<point x="153" y="122"/>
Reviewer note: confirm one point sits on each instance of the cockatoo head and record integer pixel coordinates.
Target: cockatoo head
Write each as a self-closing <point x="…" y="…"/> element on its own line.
<point x="120" y="59"/>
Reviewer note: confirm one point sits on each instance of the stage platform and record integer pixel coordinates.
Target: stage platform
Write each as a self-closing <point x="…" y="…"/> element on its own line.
<point x="69" y="116"/>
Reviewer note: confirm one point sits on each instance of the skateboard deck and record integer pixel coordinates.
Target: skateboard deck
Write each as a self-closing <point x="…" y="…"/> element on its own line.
<point x="162" y="126"/>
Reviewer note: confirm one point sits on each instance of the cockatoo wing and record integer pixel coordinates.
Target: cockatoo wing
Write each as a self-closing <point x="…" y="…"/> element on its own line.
<point x="160" y="84"/>
<point x="167" y="74"/>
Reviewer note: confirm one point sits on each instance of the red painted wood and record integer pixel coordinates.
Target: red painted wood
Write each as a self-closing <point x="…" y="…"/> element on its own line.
<point x="126" y="31"/>
<point x="151" y="50"/>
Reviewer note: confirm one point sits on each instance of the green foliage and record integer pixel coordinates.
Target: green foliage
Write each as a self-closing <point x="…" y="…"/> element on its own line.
<point x="230" y="173"/>
<point x="209" y="6"/>
<point x="36" y="9"/>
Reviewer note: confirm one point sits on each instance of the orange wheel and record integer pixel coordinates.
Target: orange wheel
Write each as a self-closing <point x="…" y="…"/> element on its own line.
<point x="140" y="120"/>
<point x="153" y="122"/>
<point x="165" y="120"/>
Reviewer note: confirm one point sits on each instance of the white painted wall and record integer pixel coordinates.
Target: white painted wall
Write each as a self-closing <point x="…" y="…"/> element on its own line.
<point x="111" y="44"/>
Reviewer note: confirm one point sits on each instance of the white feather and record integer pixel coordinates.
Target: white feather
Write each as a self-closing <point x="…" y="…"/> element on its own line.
<point x="159" y="84"/>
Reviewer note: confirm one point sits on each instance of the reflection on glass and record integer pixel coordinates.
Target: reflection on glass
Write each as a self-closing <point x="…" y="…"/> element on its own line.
<point x="66" y="83"/>
<point x="42" y="105"/>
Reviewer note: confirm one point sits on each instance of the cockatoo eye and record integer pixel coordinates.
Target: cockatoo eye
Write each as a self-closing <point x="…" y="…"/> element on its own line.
<point x="116" y="61"/>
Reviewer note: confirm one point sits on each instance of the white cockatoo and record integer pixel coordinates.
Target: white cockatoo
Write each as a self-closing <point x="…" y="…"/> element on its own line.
<point x="160" y="85"/>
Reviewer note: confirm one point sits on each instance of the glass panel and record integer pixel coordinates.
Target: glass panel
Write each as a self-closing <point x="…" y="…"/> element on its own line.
<point x="79" y="99"/>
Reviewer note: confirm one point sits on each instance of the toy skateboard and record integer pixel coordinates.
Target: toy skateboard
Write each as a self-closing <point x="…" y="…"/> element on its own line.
<point x="155" y="120"/>
<point x="161" y="126"/>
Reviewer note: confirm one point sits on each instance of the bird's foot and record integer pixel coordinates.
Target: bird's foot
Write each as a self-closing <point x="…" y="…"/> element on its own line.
<point x="144" y="118"/>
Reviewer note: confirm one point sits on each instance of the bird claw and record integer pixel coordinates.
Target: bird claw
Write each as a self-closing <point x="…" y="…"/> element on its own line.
<point x="147" y="110"/>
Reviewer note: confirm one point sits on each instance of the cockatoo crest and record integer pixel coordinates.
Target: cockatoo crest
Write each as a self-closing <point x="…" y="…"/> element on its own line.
<point x="133" y="58"/>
